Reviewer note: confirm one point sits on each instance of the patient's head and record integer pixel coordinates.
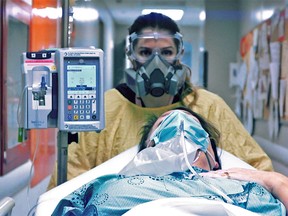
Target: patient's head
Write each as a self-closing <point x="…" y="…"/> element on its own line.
<point x="203" y="132"/>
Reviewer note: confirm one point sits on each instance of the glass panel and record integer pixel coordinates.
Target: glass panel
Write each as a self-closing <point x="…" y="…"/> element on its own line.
<point x="16" y="45"/>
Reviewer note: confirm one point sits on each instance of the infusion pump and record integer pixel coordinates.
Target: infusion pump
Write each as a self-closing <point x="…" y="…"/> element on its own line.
<point x="63" y="89"/>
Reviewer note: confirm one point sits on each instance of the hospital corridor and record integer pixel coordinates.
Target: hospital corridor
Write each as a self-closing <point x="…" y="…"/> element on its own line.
<point x="143" y="107"/>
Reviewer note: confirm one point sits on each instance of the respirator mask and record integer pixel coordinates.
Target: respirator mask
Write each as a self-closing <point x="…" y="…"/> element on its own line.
<point x="179" y="140"/>
<point x="156" y="55"/>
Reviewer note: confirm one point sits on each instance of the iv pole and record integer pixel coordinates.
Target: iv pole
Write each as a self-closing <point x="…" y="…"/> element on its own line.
<point x="62" y="136"/>
<point x="62" y="155"/>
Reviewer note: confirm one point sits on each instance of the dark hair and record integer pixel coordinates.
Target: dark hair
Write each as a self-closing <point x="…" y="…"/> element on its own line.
<point x="154" y="20"/>
<point x="214" y="134"/>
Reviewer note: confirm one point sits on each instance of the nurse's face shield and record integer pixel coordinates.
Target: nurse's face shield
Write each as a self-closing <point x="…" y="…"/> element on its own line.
<point x="143" y="46"/>
<point x="155" y="56"/>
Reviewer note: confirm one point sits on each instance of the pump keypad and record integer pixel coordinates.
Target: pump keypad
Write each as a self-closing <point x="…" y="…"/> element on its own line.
<point x="81" y="107"/>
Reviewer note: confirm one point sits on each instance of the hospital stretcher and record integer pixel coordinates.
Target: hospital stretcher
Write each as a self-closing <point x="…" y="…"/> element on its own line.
<point x="49" y="200"/>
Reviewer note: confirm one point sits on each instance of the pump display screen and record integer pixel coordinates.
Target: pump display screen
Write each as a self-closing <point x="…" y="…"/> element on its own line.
<point x="81" y="77"/>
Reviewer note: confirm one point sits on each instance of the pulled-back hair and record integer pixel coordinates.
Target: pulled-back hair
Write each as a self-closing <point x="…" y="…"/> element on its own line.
<point x="154" y="20"/>
<point x="214" y="134"/>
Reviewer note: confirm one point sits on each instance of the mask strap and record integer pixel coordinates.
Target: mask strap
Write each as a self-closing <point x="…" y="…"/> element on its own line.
<point x="139" y="102"/>
<point x="207" y="154"/>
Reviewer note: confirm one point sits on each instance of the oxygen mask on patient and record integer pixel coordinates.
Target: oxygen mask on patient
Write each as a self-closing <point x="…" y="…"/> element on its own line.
<point x="179" y="140"/>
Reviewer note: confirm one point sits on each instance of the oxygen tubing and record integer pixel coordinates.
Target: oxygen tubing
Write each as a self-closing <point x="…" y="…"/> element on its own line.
<point x="183" y="144"/>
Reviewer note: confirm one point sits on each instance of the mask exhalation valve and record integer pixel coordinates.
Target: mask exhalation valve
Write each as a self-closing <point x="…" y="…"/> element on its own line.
<point x="157" y="83"/>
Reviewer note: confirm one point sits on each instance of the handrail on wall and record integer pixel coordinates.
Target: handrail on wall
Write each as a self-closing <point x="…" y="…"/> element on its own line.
<point x="6" y="206"/>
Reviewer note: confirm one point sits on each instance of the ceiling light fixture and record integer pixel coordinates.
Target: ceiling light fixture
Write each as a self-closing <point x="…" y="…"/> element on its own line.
<point x="202" y="15"/>
<point x="264" y="15"/>
<point x="175" y="14"/>
<point x="85" y="14"/>
<point x="48" y="12"/>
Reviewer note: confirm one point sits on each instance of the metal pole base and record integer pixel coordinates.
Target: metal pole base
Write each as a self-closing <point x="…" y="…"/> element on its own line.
<point x="62" y="154"/>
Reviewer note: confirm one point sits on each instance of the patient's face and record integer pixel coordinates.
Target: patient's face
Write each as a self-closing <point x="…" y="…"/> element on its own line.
<point x="204" y="161"/>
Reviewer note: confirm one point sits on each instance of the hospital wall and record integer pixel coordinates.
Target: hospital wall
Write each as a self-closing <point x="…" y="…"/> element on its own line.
<point x="277" y="147"/>
<point x="224" y="29"/>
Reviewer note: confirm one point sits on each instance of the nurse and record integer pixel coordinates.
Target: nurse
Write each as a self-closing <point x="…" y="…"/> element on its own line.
<point x="156" y="83"/>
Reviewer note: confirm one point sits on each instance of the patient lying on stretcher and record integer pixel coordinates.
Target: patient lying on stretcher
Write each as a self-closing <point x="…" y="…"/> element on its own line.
<point x="178" y="158"/>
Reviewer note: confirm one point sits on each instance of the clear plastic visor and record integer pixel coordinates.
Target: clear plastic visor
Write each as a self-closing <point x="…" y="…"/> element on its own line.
<point x="143" y="47"/>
